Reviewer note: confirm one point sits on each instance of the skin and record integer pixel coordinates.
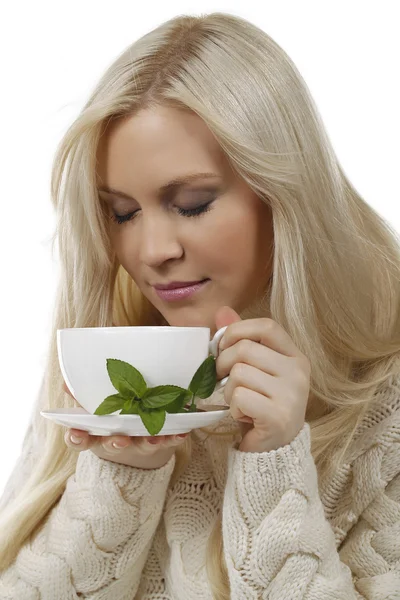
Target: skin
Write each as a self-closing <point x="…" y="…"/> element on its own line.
<point x="231" y="244"/>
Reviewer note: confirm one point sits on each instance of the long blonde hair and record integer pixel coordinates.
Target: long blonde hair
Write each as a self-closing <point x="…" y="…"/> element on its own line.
<point x="336" y="276"/>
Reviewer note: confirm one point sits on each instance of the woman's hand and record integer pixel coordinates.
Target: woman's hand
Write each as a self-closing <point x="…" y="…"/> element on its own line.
<point x="269" y="380"/>
<point x="143" y="452"/>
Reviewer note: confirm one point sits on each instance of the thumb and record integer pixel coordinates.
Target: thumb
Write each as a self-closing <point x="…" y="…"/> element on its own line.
<point x="226" y="315"/>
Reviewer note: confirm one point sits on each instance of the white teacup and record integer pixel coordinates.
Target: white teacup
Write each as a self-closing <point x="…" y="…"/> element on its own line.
<point x="164" y="355"/>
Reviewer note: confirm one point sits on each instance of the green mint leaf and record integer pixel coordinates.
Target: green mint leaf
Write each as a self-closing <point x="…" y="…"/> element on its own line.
<point x="161" y="396"/>
<point x="133" y="409"/>
<point x="153" y="420"/>
<point x="110" y="405"/>
<point x="177" y="405"/>
<point x="205" y="379"/>
<point x="128" y="403"/>
<point x="125" y="378"/>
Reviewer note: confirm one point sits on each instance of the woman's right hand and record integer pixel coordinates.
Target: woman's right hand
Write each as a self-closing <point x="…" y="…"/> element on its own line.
<point x="134" y="451"/>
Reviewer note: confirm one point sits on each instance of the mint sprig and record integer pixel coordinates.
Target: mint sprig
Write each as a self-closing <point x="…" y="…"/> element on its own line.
<point x="152" y="404"/>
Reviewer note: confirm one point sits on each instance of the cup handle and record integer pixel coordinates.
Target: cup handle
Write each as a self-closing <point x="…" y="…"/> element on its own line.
<point x="213" y="348"/>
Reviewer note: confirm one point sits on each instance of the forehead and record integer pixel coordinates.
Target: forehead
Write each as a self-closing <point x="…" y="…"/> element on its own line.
<point x="154" y="146"/>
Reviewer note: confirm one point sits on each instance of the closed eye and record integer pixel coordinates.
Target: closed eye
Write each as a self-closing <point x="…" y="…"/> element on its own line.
<point x="186" y="212"/>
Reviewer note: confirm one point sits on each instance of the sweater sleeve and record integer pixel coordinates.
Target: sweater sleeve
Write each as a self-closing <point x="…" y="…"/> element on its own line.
<point x="95" y="541"/>
<point x="279" y="544"/>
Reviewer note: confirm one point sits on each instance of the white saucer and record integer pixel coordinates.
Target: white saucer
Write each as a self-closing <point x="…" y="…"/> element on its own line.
<point x="79" y="418"/>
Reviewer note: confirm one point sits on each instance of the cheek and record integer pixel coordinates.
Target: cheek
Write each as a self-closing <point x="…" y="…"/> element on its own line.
<point x="125" y="248"/>
<point x="231" y="241"/>
<point x="117" y="242"/>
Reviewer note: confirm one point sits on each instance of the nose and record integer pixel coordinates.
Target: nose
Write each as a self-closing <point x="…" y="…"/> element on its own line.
<point x="159" y="241"/>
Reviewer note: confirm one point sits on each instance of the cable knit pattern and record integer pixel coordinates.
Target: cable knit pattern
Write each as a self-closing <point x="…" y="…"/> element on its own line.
<point x="96" y="540"/>
<point x="280" y="541"/>
<point x="127" y="534"/>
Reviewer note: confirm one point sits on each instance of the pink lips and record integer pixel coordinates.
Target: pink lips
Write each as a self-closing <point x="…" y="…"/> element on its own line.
<point x="180" y="293"/>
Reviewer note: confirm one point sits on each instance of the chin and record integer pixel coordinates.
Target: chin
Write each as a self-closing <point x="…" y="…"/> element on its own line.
<point x="190" y="319"/>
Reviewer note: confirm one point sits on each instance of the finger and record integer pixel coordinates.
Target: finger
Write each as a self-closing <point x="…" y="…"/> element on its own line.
<point x="246" y="403"/>
<point x="265" y="331"/>
<point x="178" y="439"/>
<point x="256" y="355"/>
<point x="77" y="439"/>
<point x="141" y="444"/>
<point x="113" y="443"/>
<point x="161" y="441"/>
<point x="244" y="375"/>
<point x="116" y="442"/>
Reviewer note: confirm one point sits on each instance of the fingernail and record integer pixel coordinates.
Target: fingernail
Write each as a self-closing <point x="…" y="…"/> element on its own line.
<point x="119" y="445"/>
<point x="153" y="441"/>
<point x="222" y="343"/>
<point x="181" y="435"/>
<point x="75" y="440"/>
<point x="111" y="449"/>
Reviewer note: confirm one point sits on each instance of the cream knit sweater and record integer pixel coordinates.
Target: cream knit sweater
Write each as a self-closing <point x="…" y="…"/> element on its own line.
<point x="122" y="533"/>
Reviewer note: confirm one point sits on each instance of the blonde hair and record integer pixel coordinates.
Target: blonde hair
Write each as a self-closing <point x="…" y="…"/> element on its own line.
<point x="336" y="276"/>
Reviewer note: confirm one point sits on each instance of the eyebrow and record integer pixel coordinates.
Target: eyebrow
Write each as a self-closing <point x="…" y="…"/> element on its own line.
<point x="167" y="190"/>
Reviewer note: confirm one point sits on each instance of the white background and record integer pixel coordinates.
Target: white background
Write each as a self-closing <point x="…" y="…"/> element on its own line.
<point x="52" y="55"/>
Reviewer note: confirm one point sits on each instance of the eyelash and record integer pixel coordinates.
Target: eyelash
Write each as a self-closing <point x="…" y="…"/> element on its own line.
<point x="190" y="212"/>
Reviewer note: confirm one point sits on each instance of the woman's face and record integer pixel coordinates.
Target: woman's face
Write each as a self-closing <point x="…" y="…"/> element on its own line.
<point x="229" y="242"/>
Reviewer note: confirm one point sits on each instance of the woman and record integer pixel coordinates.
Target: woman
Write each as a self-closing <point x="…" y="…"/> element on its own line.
<point x="296" y="494"/>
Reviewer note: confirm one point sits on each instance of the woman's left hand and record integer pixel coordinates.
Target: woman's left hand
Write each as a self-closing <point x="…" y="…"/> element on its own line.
<point x="269" y="380"/>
